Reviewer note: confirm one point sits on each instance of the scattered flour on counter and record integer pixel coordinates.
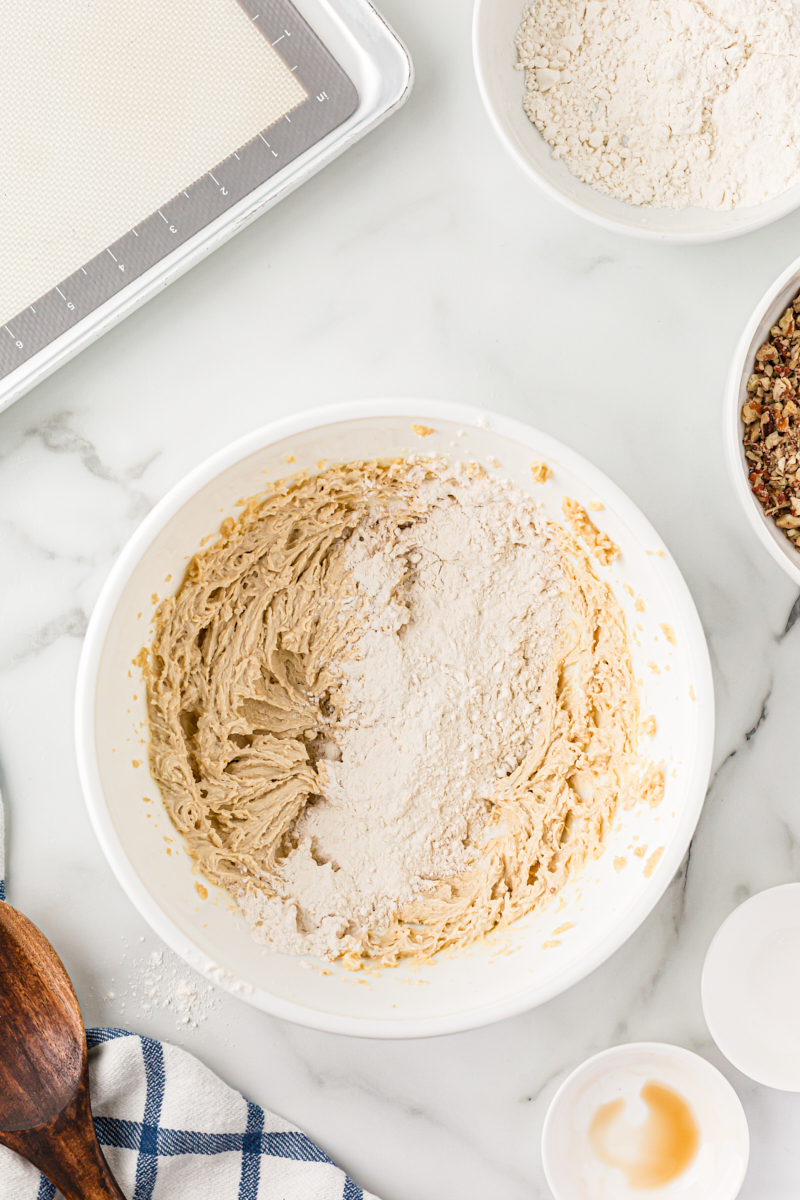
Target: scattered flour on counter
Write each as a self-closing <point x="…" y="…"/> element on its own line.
<point x="166" y="985"/>
<point x="668" y="102"/>
<point x="460" y="611"/>
<point x="164" y="982"/>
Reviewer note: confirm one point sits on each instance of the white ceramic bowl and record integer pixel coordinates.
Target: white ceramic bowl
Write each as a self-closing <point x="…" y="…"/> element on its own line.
<point x="769" y="308"/>
<point x="513" y="971"/>
<point x="751" y="987"/>
<point x="495" y="24"/>
<point x="718" y="1169"/>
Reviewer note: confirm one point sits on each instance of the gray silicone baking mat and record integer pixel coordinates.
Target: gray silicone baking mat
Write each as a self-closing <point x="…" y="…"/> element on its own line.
<point x="330" y="98"/>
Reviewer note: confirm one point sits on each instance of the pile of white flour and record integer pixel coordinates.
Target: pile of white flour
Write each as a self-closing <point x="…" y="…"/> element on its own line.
<point x="460" y="613"/>
<point x="668" y="102"/>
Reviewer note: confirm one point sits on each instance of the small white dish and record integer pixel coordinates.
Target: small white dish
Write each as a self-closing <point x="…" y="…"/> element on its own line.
<point x="502" y="90"/>
<point x="769" y="309"/>
<point x="751" y="987"/>
<point x="575" y="1172"/>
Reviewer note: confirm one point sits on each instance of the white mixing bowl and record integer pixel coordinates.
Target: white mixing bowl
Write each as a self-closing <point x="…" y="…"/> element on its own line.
<point x="769" y="309"/>
<point x="502" y="89"/>
<point x="517" y="968"/>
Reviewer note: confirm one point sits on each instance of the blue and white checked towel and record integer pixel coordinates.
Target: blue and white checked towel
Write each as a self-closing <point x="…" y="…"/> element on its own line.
<point x="172" y="1130"/>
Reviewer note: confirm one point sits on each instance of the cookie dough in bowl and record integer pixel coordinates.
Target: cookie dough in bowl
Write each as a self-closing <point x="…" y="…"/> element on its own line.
<point x="392" y="709"/>
<point x="429" y="718"/>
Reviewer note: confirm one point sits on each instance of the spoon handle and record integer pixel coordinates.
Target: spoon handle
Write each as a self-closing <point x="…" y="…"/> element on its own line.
<point x="68" y="1153"/>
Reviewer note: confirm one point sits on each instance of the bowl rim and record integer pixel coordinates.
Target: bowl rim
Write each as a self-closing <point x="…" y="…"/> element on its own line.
<point x="666" y="1051"/>
<point x="733" y="427"/>
<point x="615" y="225"/>
<point x="175" y="498"/>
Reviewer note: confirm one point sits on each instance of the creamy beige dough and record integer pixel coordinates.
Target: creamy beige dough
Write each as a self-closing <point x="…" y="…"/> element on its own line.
<point x="247" y="687"/>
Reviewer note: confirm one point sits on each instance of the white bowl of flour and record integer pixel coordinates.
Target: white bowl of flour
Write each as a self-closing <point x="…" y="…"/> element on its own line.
<point x="518" y="966"/>
<point x="706" y="99"/>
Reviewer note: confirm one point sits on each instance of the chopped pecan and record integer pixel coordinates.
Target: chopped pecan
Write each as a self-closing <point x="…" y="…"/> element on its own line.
<point x="771" y="417"/>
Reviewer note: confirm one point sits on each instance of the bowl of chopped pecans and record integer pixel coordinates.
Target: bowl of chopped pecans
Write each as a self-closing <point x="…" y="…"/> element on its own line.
<point x="762" y="420"/>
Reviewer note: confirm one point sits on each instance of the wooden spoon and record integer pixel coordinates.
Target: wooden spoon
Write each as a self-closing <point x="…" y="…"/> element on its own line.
<point x="45" y="1114"/>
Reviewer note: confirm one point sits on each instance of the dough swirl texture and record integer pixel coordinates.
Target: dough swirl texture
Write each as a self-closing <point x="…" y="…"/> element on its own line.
<point x="256" y="691"/>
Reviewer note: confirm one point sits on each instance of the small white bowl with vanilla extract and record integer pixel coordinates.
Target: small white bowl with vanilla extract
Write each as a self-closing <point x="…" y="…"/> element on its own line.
<point x="645" y="1119"/>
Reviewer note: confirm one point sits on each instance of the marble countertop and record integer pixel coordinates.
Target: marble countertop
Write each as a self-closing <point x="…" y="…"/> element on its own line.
<point x="430" y="267"/>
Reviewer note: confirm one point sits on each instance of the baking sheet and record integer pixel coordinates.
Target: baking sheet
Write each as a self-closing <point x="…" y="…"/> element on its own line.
<point x="108" y="110"/>
<point x="335" y="105"/>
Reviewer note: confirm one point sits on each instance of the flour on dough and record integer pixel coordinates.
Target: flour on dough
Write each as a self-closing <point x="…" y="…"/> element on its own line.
<point x="391" y="709"/>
